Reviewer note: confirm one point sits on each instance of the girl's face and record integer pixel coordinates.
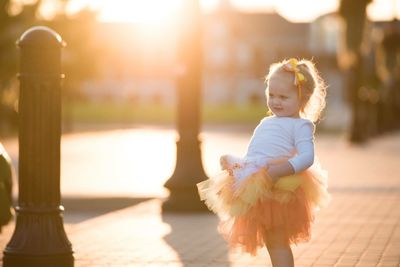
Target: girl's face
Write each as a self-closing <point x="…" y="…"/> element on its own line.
<point x="282" y="99"/>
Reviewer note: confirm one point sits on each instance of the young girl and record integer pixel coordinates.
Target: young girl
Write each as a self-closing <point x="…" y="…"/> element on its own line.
<point x="269" y="197"/>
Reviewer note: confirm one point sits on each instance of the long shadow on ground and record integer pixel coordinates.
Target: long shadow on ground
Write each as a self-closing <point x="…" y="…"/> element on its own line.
<point x="80" y="209"/>
<point x="202" y="244"/>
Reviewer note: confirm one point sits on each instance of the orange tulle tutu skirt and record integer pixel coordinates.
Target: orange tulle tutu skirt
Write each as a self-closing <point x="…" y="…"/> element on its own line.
<point x="257" y="205"/>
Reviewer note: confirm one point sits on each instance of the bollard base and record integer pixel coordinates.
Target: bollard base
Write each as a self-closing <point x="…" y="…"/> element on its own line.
<point x="60" y="260"/>
<point x="184" y="197"/>
<point x="184" y="201"/>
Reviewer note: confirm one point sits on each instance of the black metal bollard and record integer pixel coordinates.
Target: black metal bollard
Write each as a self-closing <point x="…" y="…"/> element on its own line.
<point x="6" y="185"/>
<point x="39" y="237"/>
<point x="189" y="169"/>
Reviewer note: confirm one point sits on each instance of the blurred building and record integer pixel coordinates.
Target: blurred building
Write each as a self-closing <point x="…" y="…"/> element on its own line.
<point x="239" y="47"/>
<point x="139" y="65"/>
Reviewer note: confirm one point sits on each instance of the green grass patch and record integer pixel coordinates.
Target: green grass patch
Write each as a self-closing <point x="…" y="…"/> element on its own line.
<point x="233" y="113"/>
<point x="89" y="112"/>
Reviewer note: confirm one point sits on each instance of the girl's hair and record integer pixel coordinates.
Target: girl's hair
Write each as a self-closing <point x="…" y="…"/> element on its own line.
<point x="312" y="88"/>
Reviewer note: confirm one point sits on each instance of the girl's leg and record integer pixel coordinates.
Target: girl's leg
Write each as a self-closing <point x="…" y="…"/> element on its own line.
<point x="281" y="257"/>
<point x="279" y="248"/>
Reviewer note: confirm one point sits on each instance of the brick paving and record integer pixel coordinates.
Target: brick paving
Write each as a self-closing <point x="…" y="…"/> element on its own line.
<point x="357" y="229"/>
<point x="361" y="226"/>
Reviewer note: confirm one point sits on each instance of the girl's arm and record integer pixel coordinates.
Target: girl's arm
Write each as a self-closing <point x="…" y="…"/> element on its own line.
<point x="276" y="171"/>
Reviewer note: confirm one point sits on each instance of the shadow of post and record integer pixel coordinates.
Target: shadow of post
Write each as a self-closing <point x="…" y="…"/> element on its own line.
<point x="195" y="239"/>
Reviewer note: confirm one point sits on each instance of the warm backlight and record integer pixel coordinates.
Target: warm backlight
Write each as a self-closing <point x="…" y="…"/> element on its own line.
<point x="138" y="11"/>
<point x="156" y="12"/>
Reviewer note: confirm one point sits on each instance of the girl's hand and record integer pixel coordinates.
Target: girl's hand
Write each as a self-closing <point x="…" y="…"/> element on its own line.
<point x="224" y="163"/>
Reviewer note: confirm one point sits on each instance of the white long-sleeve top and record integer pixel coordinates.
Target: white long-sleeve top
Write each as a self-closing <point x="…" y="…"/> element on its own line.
<point x="283" y="137"/>
<point x="277" y="137"/>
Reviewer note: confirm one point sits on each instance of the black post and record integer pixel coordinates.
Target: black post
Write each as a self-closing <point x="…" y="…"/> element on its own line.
<point x="39" y="237"/>
<point x="189" y="169"/>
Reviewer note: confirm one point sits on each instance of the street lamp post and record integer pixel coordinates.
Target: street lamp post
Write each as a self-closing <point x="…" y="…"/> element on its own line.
<point x="189" y="169"/>
<point x="39" y="237"/>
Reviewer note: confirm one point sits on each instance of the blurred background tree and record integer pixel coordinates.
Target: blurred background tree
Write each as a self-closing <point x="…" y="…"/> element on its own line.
<point x="14" y="18"/>
<point x="351" y="60"/>
<point x="388" y="60"/>
<point x="370" y="60"/>
<point x="79" y="56"/>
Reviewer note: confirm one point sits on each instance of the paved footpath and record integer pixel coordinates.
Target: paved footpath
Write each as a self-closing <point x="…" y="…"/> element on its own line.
<point x="361" y="226"/>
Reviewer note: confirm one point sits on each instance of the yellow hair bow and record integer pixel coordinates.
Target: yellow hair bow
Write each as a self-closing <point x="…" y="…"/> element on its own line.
<point x="299" y="79"/>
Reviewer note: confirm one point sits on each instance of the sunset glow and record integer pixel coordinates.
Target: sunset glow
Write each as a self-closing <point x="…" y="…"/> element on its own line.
<point x="384" y="10"/>
<point x="305" y="10"/>
<point x="147" y="12"/>
<point x="138" y="11"/>
<point x="151" y="12"/>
